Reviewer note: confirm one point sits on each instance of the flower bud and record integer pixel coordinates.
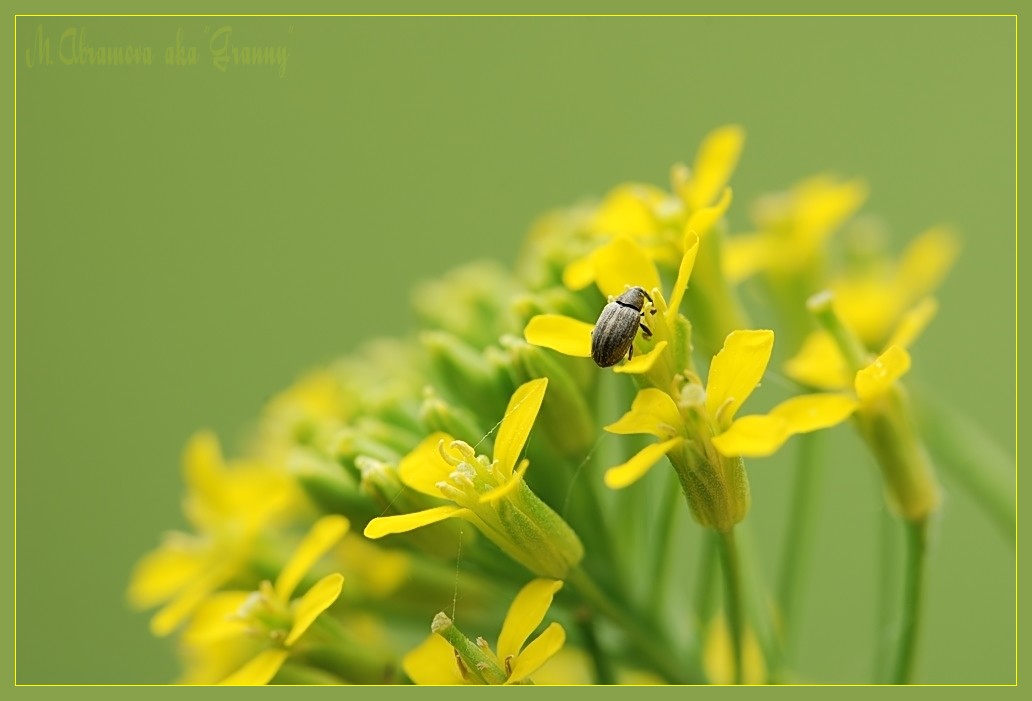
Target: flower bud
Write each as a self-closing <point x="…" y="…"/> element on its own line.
<point x="566" y="416"/>
<point x="440" y="415"/>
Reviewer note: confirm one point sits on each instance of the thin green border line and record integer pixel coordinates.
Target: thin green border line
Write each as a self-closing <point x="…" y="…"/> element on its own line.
<point x="1016" y="432"/>
<point x="14" y="210"/>
<point x="523" y="15"/>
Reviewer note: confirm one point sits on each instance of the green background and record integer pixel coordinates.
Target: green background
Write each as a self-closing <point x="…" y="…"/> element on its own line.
<point x="189" y="241"/>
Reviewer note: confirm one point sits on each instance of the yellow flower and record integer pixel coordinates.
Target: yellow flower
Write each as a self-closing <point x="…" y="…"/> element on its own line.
<point x="449" y="657"/>
<point x="821" y="363"/>
<point x="834" y="358"/>
<point x="658" y="221"/>
<point x="874" y="298"/>
<point x="708" y="415"/>
<point x="706" y="182"/>
<point x="793" y="228"/>
<point x="489" y="492"/>
<point x="228" y="505"/>
<point x="620" y="264"/>
<point x="269" y="618"/>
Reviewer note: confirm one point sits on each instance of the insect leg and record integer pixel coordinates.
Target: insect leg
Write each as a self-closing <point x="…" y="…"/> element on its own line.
<point x="645" y="330"/>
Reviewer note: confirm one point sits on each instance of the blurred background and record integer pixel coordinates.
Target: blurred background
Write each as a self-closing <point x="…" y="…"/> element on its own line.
<point x="192" y="239"/>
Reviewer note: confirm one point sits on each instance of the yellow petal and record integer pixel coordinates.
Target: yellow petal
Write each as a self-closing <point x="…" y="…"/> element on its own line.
<point x="579" y="273"/>
<point x="744" y="255"/>
<point x="166" y="570"/>
<point x="507" y="488"/>
<point x="819" y="363"/>
<point x="247" y="494"/>
<point x="759" y="436"/>
<point x="185" y="602"/>
<point x="560" y="333"/>
<point x="913" y="323"/>
<point x="735" y="372"/>
<point x="753" y="436"/>
<point x="824" y="204"/>
<point x="868" y="306"/>
<point x="424" y="467"/>
<point x="702" y="221"/>
<point x="628" y="211"/>
<point x="811" y="412"/>
<point x="622" y="263"/>
<point x="403" y="523"/>
<point x="316" y="600"/>
<point x="631" y="471"/>
<point x="570" y="667"/>
<point x="640" y="364"/>
<point x="324" y="534"/>
<point x="926" y="261"/>
<point x="217" y="618"/>
<point x="525" y="614"/>
<point x="714" y="163"/>
<point x="540" y="650"/>
<point x="684" y="271"/>
<point x="652" y="411"/>
<point x="203" y="468"/>
<point x="877" y="378"/>
<point x="432" y="662"/>
<point x="259" y="670"/>
<point x="518" y="421"/>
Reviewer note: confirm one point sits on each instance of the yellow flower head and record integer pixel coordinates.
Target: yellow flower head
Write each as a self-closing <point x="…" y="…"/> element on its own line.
<point x="876" y="297"/>
<point x="658" y="221"/>
<point x="489" y="492"/>
<point x="834" y="357"/>
<point x="620" y="264"/>
<point x="229" y="505"/>
<point x="449" y="657"/>
<point x="269" y="619"/>
<point x="824" y="363"/>
<point x="702" y="416"/>
<point x="793" y="228"/>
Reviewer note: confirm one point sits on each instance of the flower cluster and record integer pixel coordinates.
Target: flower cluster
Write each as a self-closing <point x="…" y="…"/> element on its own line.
<point x="414" y="486"/>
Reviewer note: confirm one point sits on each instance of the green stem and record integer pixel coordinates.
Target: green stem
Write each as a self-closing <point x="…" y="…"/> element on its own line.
<point x="704" y="605"/>
<point x="917" y="542"/>
<point x="600" y="662"/>
<point x="797" y="549"/>
<point x="601" y="526"/>
<point x="339" y="653"/>
<point x="656" y="651"/>
<point x="733" y="598"/>
<point x="759" y="606"/>
<point x="886" y="615"/>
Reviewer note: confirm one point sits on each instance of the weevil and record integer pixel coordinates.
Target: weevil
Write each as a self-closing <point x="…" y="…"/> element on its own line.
<point x="617" y="325"/>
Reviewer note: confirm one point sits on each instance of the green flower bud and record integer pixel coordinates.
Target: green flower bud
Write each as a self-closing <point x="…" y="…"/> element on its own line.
<point x="440" y="415"/>
<point x="466" y="372"/>
<point x="567" y="418"/>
